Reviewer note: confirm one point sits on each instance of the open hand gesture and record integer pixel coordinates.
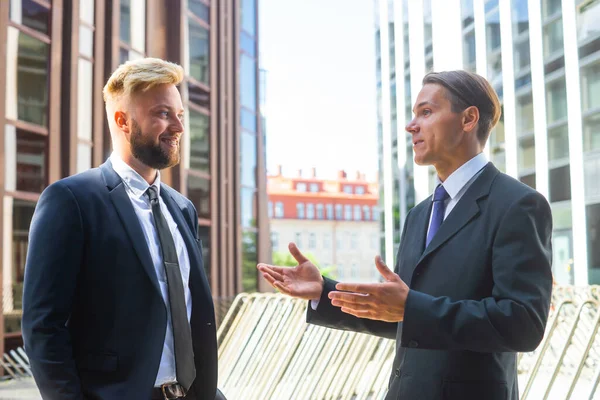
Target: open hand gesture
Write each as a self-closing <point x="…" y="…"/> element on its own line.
<point x="303" y="281"/>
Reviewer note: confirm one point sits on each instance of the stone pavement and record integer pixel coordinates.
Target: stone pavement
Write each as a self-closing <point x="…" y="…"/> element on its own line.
<point x="23" y="389"/>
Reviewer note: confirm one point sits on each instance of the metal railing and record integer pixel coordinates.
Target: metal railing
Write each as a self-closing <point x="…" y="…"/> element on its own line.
<point x="268" y="351"/>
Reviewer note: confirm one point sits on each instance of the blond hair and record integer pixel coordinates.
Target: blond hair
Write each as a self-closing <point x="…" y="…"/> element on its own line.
<point x="136" y="76"/>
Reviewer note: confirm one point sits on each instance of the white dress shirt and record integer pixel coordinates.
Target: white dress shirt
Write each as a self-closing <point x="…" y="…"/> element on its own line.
<point x="459" y="181"/>
<point x="136" y="188"/>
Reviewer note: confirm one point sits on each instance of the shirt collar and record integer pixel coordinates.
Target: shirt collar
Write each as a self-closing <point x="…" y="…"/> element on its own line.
<point x="134" y="181"/>
<point x="459" y="178"/>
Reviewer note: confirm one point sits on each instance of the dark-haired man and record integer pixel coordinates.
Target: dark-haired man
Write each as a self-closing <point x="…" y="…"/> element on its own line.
<point x="472" y="282"/>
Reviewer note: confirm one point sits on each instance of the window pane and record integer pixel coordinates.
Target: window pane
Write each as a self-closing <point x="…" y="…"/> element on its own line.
<point x="199" y="193"/>
<point x="249" y="16"/>
<point x="30" y="14"/>
<point x="86" y="11"/>
<point x="550" y="7"/>
<point x="279" y="210"/>
<point x="300" y="210"/>
<point x="556" y="93"/>
<point x="558" y="143"/>
<point x="27" y="84"/>
<point x="329" y="211"/>
<point x="591" y="132"/>
<point x="590" y="85"/>
<point x="593" y="228"/>
<point x="248" y="82"/>
<point x="199" y="141"/>
<point x="84" y="100"/>
<point x="249" y="261"/>
<point x="125" y="26"/>
<point x="526" y="153"/>
<point x="310" y="211"/>
<point x="587" y="20"/>
<point x="492" y="22"/>
<point x="529" y="180"/>
<point x="248" y="207"/>
<point x="199" y="9"/>
<point x="86" y="41"/>
<point x="198" y="95"/>
<point x="26" y="160"/>
<point x="17" y="216"/>
<point x="138" y="25"/>
<point x="338" y="212"/>
<point x="248" y="44"/>
<point x="320" y="211"/>
<point x="248" y="159"/>
<point x="348" y="212"/>
<point x="469" y="49"/>
<point x="524" y="114"/>
<point x="560" y="184"/>
<point x="467" y="12"/>
<point x="553" y="38"/>
<point x="84" y="157"/>
<point x="248" y="120"/>
<point x="199" y="52"/>
<point x="522" y="55"/>
<point x="520" y="14"/>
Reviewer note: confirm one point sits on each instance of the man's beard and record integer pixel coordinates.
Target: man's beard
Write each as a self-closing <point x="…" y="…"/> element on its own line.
<point x="151" y="153"/>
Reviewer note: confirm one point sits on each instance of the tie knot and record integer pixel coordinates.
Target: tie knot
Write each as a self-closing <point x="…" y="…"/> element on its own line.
<point x="440" y="194"/>
<point x="152" y="194"/>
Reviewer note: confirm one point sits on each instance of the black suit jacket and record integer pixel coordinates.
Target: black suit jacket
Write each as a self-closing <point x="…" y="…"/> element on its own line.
<point x="480" y="293"/>
<point x="94" y="321"/>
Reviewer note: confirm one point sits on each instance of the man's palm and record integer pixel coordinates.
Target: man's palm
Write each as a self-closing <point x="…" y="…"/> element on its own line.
<point x="303" y="281"/>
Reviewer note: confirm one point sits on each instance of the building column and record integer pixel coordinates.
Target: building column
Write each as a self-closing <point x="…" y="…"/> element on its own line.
<point x="572" y="81"/>
<point x="386" y="125"/>
<point x="508" y="83"/>
<point x="417" y="72"/>
<point x="538" y="92"/>
<point x="447" y="35"/>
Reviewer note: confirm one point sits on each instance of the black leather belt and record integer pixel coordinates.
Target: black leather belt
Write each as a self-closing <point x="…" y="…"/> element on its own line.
<point x="172" y="390"/>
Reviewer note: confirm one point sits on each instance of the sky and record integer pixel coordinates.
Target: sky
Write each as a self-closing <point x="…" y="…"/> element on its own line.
<point x="320" y="94"/>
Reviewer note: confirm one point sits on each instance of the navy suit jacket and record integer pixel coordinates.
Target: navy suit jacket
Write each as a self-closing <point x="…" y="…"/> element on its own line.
<point x="94" y="321"/>
<point x="480" y="293"/>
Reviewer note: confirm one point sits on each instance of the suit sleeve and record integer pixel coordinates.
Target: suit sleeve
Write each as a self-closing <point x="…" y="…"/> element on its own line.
<point x="332" y="317"/>
<point x="53" y="262"/>
<point x="513" y="319"/>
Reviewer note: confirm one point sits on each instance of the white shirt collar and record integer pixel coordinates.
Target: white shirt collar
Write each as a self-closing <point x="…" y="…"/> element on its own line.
<point x="131" y="178"/>
<point x="459" y="178"/>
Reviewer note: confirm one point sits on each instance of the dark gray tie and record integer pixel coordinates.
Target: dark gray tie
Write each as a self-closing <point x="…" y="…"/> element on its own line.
<point x="182" y="333"/>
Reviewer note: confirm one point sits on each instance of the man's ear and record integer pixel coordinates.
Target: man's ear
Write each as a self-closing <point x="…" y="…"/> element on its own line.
<point x="121" y="121"/>
<point x="470" y="119"/>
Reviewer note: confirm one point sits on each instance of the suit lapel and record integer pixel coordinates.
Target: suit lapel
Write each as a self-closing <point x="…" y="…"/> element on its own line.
<point x="466" y="210"/>
<point x="120" y="199"/>
<point x="197" y="274"/>
<point x="415" y="240"/>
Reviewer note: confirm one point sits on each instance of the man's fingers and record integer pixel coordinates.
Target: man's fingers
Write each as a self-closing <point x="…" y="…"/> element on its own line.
<point x="365" y="288"/>
<point x="279" y="286"/>
<point x="296" y="253"/>
<point x="383" y="269"/>
<point x="268" y="270"/>
<point x="351" y="305"/>
<point x="351" y="298"/>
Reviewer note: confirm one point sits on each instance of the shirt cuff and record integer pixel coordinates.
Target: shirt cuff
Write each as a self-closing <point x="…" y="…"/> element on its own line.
<point x="314" y="304"/>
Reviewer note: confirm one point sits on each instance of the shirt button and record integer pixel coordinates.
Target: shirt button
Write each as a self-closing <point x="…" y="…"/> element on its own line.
<point x="397" y="372"/>
<point x="413" y="344"/>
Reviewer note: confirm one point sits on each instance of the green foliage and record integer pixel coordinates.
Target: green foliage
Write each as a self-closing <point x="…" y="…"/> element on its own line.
<point x="285" y="259"/>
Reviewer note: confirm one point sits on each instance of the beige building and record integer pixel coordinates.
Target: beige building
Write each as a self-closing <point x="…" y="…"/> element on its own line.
<point x="337" y="221"/>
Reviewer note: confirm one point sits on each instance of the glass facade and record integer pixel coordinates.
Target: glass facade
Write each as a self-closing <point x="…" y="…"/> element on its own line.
<point x="484" y="26"/>
<point x="249" y="101"/>
<point x="54" y="124"/>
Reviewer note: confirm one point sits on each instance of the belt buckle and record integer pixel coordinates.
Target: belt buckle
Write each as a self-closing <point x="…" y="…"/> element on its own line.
<point x="172" y="390"/>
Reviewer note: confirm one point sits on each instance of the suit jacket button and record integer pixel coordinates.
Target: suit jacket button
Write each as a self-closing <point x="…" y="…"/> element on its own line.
<point x="413" y="344"/>
<point x="397" y="371"/>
